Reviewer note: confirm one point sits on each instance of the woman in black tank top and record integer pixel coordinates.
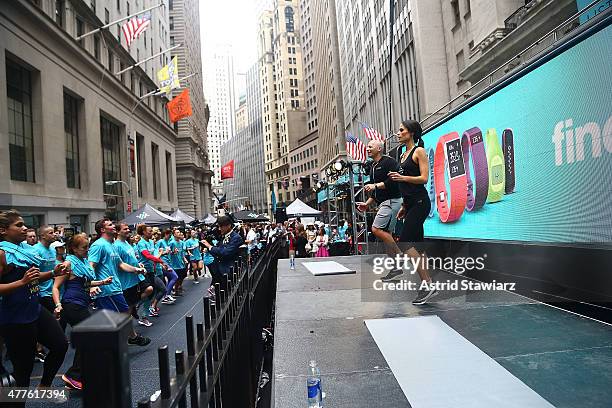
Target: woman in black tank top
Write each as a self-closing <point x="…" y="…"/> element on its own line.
<point x="412" y="177"/>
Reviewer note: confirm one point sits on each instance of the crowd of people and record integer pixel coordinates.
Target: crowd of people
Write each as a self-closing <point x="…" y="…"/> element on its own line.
<point x="49" y="281"/>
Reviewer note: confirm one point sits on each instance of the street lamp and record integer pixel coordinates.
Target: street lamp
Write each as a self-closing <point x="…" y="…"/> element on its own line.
<point x="129" y="190"/>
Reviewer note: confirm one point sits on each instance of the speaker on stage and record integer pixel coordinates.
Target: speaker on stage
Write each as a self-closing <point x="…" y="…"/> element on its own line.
<point x="281" y="214"/>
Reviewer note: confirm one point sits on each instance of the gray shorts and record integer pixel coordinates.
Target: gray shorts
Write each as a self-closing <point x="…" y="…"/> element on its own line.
<point x="386" y="216"/>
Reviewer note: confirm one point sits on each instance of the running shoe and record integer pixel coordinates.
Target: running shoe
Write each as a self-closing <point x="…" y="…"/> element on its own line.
<point x="167" y="301"/>
<point x="424" y="295"/>
<point x="143" y="321"/>
<point x="392" y="275"/>
<point x="153" y="312"/>
<point x="40" y="357"/>
<point x="139" y="340"/>
<point x="171" y="298"/>
<point x="72" y="383"/>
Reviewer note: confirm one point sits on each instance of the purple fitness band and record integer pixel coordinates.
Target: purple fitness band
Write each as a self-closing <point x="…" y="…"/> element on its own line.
<point x="472" y="142"/>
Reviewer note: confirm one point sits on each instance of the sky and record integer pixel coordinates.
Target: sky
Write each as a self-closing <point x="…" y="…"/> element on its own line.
<point x="233" y="22"/>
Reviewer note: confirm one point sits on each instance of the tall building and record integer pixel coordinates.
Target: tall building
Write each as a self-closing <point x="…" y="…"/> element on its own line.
<point x="248" y="187"/>
<point x="440" y="48"/>
<point x="65" y="123"/>
<point x="324" y="58"/>
<point x="219" y="92"/>
<point x="284" y="114"/>
<point x="192" y="163"/>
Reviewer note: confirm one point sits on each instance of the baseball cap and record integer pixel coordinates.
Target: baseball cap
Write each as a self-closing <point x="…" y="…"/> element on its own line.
<point x="56" y="244"/>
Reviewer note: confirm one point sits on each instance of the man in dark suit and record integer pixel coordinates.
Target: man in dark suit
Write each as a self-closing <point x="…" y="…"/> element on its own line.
<point x="225" y="252"/>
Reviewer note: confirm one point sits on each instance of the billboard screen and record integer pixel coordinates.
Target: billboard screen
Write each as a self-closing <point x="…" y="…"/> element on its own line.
<point x="535" y="157"/>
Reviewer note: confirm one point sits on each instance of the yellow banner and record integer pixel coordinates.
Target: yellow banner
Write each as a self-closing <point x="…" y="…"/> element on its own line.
<point x="168" y="77"/>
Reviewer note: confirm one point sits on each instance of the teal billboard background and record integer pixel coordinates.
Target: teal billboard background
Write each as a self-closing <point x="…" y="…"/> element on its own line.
<point x="566" y="202"/>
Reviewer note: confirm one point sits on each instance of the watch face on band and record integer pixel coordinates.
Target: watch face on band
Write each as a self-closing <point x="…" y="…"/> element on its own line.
<point x="454" y="158"/>
<point x="476" y="137"/>
<point x="432" y="188"/>
<point x="497" y="172"/>
<point x="508" y="149"/>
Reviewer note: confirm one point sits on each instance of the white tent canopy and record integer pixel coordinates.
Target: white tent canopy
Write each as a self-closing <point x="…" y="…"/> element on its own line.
<point x="298" y="209"/>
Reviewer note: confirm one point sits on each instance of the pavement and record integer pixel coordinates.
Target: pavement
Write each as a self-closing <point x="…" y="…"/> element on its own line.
<point x="168" y="329"/>
<point x="565" y="358"/>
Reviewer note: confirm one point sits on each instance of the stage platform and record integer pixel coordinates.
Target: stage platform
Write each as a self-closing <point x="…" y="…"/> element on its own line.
<point x="563" y="359"/>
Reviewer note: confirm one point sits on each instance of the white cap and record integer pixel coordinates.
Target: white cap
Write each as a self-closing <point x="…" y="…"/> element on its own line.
<point x="56" y="244"/>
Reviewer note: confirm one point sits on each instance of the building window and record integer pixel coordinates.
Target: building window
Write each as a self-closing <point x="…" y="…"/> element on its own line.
<point x="106" y="16"/>
<point x="455" y="6"/>
<point x="169" y="175"/>
<point x="111" y="61"/>
<point x="140" y="160"/>
<point x="21" y="139"/>
<point x="97" y="47"/>
<point x="111" y="167"/>
<point x="92" y="3"/>
<point x="155" y="161"/>
<point x="128" y="8"/>
<point x="118" y="5"/>
<point x="71" y="133"/>
<point x="79" y="29"/>
<point x="172" y="23"/>
<point x="289" y="19"/>
<point x="171" y="4"/>
<point x="60" y="7"/>
<point x="172" y="41"/>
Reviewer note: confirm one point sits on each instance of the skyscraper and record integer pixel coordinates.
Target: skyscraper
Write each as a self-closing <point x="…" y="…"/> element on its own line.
<point x="192" y="161"/>
<point x="284" y="113"/>
<point x="219" y="92"/>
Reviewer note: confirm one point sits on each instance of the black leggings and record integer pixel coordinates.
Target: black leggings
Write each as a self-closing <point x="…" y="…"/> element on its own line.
<point x="416" y="210"/>
<point x="21" y="339"/>
<point x="74" y="314"/>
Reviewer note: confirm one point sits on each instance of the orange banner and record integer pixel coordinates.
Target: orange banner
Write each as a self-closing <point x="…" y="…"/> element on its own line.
<point x="227" y="171"/>
<point x="180" y="107"/>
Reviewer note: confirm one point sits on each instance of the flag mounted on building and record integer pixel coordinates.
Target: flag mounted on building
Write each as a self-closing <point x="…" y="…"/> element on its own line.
<point x="168" y="77"/>
<point x="371" y="133"/>
<point x="227" y="171"/>
<point x="135" y="26"/>
<point x="180" y="106"/>
<point x="355" y="148"/>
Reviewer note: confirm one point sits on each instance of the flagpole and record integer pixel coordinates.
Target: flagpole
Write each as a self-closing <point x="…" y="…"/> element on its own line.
<point x="97" y="30"/>
<point x="157" y="91"/>
<point x="147" y="59"/>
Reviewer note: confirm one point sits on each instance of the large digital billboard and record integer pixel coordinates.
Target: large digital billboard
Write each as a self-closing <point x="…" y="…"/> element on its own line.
<point x="531" y="162"/>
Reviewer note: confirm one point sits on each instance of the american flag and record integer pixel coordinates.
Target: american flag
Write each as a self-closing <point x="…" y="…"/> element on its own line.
<point x="372" y="133"/>
<point x="133" y="27"/>
<point x="355" y="148"/>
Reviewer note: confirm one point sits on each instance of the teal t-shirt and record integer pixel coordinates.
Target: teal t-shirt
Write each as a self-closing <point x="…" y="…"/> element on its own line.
<point x="107" y="261"/>
<point x="144" y="245"/>
<point x="176" y="259"/>
<point x="127" y="255"/>
<point x="49" y="261"/>
<point x="193" y="245"/>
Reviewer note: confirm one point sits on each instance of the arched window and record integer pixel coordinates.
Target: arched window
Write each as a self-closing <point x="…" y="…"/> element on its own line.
<point x="289" y="19"/>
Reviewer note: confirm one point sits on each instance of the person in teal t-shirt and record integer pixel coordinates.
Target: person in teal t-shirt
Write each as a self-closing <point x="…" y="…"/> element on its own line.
<point x="195" y="257"/>
<point x="147" y="255"/>
<point x="46" y="236"/>
<point x="163" y="247"/>
<point x="106" y="263"/>
<point x="178" y="260"/>
<point x="134" y="286"/>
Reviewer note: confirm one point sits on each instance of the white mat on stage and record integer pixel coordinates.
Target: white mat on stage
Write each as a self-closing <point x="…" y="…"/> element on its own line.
<point x="436" y="367"/>
<point x="326" y="268"/>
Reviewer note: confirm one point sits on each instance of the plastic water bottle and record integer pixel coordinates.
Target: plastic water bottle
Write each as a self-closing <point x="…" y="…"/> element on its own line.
<point x="292" y="262"/>
<point x="313" y="382"/>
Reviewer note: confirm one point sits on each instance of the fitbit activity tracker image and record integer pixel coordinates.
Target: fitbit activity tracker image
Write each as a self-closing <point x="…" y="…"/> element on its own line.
<point x="508" y="149"/>
<point x="432" y="187"/>
<point x="495" y="161"/>
<point x="449" y="159"/>
<point x="472" y="145"/>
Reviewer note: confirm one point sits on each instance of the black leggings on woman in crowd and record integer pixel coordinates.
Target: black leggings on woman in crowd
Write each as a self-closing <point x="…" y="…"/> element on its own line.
<point x="74" y="314"/>
<point x="20" y="341"/>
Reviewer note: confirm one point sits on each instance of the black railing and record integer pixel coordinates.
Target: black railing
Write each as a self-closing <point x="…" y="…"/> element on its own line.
<point x="223" y="357"/>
